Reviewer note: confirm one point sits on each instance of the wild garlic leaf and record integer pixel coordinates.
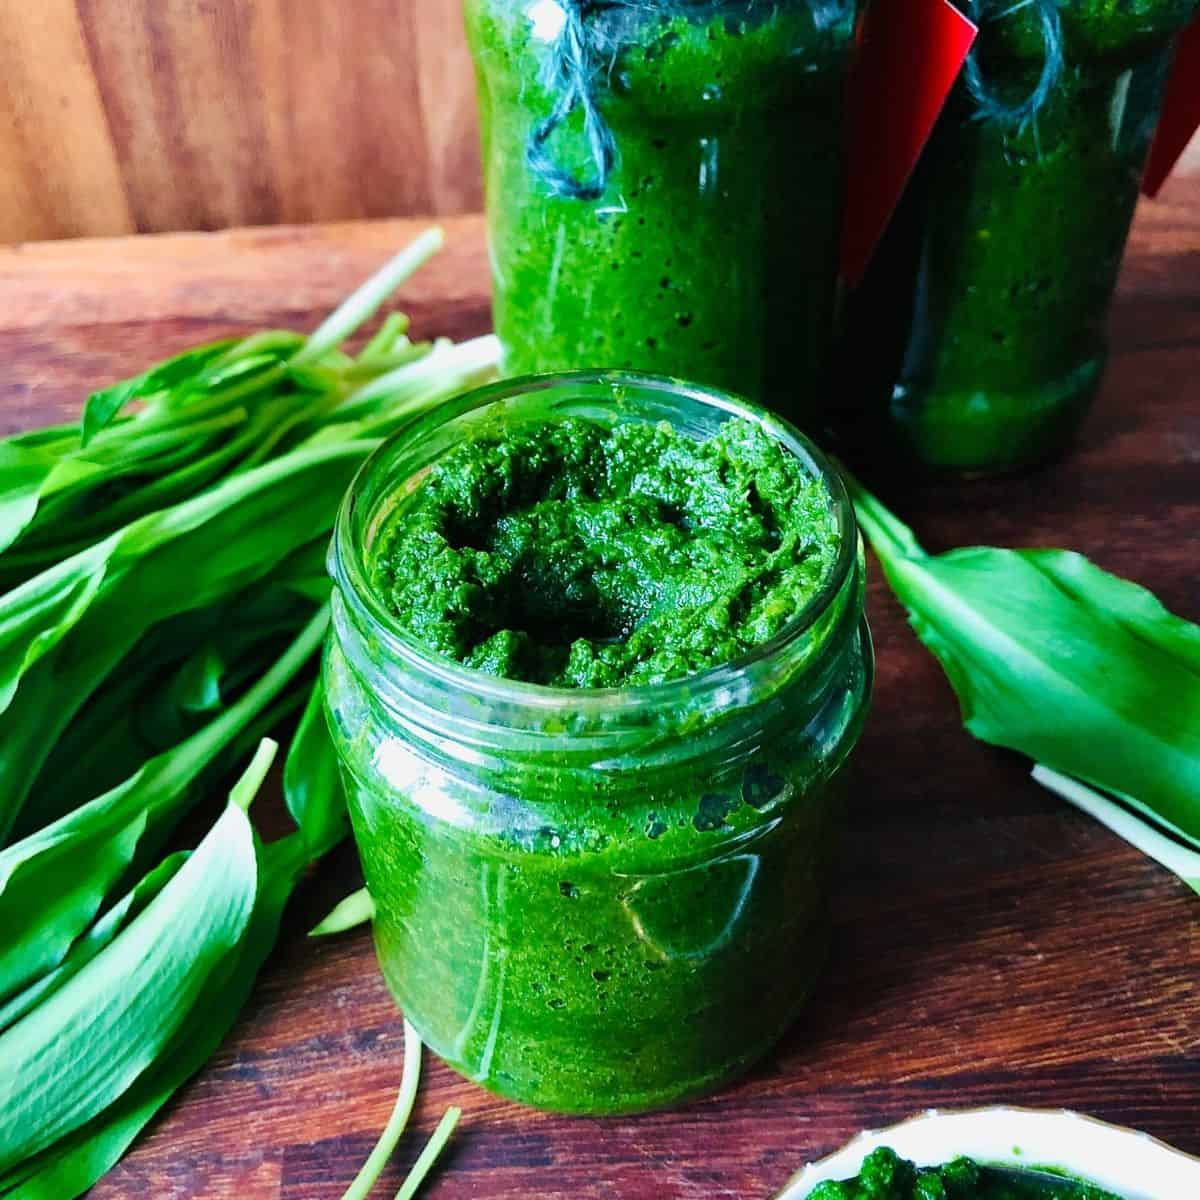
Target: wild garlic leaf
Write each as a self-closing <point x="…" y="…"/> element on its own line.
<point x="26" y="474"/>
<point x="94" y="940"/>
<point x="1053" y="657"/>
<point x="68" y="1059"/>
<point x="53" y="882"/>
<point x="70" y="497"/>
<point x="99" y="603"/>
<point x="124" y="724"/>
<point x="366" y="299"/>
<point x="102" y="407"/>
<point x="356" y="909"/>
<point x="312" y="783"/>
<point x="74" y="1163"/>
<point x="432" y="1151"/>
<point x="36" y="616"/>
<point x="1168" y="853"/>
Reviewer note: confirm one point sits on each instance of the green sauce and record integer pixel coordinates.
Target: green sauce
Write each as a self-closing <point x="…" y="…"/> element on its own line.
<point x="886" y="1176"/>
<point x="987" y="301"/>
<point x="578" y="555"/>
<point x="597" y="901"/>
<point x="712" y="252"/>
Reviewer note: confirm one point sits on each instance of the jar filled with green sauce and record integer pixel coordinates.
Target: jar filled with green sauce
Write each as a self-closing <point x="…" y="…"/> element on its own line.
<point x="977" y="339"/>
<point x="597" y="899"/>
<point x="664" y="186"/>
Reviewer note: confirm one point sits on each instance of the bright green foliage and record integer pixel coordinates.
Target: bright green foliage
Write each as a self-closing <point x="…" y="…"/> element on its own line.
<point x="53" y="882"/>
<point x="356" y="909"/>
<point x="1051" y="656"/>
<point x="162" y="605"/>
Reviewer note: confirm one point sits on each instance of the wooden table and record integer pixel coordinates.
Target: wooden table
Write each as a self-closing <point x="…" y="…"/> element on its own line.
<point x="992" y="945"/>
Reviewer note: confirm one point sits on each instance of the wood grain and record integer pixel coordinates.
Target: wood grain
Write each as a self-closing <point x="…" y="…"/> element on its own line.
<point x="59" y="171"/>
<point x="150" y="115"/>
<point x="992" y="945"/>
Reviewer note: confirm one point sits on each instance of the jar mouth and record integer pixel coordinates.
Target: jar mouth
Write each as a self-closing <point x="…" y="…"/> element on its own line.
<point x="604" y="395"/>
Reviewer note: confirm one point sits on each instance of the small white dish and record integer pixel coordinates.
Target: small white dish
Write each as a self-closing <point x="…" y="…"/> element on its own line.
<point x="1130" y="1164"/>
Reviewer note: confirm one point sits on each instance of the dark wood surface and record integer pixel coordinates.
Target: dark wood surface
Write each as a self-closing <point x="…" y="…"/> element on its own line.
<point x="992" y="945"/>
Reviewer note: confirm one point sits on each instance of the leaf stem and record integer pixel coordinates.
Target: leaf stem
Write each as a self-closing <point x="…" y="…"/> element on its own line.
<point x="429" y="1156"/>
<point x="886" y="532"/>
<point x="410" y="1078"/>
<point x="356" y="909"/>
<point x="362" y="304"/>
<point x="1178" y="859"/>
<point x="246" y="788"/>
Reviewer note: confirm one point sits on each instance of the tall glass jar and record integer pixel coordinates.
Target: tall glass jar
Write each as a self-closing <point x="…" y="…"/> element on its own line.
<point x="664" y="185"/>
<point x="594" y="901"/>
<point x="977" y="339"/>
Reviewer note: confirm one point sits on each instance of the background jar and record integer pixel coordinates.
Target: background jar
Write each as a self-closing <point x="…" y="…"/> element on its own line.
<point x="594" y="901"/>
<point x="664" y="186"/>
<point x="984" y="309"/>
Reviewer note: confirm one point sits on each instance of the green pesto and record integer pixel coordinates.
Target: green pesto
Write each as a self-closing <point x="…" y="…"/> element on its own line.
<point x="987" y="301"/>
<point x="597" y="901"/>
<point x="580" y="555"/>
<point x="886" y="1176"/>
<point x="712" y="253"/>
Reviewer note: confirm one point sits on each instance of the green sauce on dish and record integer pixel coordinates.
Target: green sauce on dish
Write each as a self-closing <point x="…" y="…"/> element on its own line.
<point x="574" y="554"/>
<point x="887" y="1176"/>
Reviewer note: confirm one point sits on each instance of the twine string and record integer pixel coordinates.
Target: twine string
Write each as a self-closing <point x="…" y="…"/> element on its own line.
<point x="581" y="57"/>
<point x="988" y="106"/>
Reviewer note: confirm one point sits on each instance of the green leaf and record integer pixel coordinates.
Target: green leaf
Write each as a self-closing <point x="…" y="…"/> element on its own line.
<point x="391" y="331"/>
<point x="26" y="474"/>
<point x="103" y="406"/>
<point x="73" y="1164"/>
<point x="36" y="616"/>
<point x="312" y="784"/>
<point x="151" y="702"/>
<point x="95" y="940"/>
<point x="85" y="614"/>
<point x="53" y="882"/>
<point x="383" y="404"/>
<point x="1053" y="657"/>
<point x="72" y="1056"/>
<point x="356" y="909"/>
<point x="1166" y="852"/>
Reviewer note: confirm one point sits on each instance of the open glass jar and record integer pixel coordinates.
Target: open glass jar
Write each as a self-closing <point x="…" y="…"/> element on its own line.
<point x="665" y="184"/>
<point x="596" y="900"/>
<point x="986" y="303"/>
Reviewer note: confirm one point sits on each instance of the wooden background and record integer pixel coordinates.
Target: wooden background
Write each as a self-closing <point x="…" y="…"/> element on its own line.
<point x="123" y="116"/>
<point x="992" y="945"/>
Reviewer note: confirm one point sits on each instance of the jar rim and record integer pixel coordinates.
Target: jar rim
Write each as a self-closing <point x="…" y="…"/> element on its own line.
<point x="348" y="566"/>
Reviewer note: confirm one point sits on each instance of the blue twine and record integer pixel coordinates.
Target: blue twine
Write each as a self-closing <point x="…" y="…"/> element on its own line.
<point x="988" y="107"/>
<point x="593" y="34"/>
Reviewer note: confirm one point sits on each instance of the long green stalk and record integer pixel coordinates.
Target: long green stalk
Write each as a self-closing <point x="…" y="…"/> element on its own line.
<point x="410" y="1080"/>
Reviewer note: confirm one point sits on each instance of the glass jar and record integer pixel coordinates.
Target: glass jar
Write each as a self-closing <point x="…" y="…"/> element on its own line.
<point x="977" y="339"/>
<point x="594" y="901"/>
<point x="664" y="186"/>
